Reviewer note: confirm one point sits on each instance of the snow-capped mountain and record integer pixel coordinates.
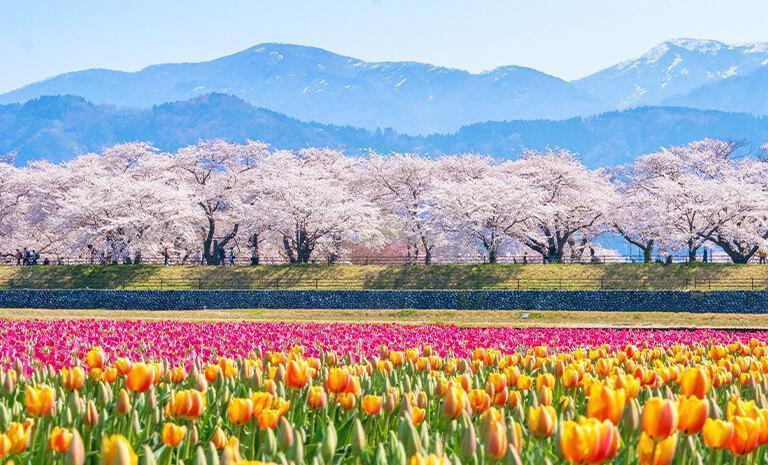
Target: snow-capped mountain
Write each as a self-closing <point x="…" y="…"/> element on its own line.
<point x="316" y="85"/>
<point x="674" y="67"/>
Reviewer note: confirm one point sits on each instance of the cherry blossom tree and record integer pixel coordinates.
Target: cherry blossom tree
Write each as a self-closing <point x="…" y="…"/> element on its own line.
<point x="697" y="194"/>
<point x="402" y="187"/>
<point x="309" y="196"/>
<point x="213" y="173"/>
<point x="574" y="202"/>
<point x="481" y="206"/>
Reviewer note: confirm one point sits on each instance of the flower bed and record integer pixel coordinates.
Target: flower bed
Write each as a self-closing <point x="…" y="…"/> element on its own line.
<point x="120" y="392"/>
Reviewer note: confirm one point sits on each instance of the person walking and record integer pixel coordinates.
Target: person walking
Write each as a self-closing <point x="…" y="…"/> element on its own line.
<point x="762" y="255"/>
<point x="25" y="259"/>
<point x="232" y="256"/>
<point x="166" y="256"/>
<point x="19" y="257"/>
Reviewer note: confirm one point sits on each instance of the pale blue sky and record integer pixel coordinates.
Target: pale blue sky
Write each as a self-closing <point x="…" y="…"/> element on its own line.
<point x="569" y="39"/>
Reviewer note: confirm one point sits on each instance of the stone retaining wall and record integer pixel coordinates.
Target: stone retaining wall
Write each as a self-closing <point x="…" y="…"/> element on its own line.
<point x="669" y="301"/>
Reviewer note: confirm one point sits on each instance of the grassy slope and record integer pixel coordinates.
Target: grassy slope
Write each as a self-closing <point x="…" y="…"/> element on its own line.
<point x="613" y="276"/>
<point x="408" y="316"/>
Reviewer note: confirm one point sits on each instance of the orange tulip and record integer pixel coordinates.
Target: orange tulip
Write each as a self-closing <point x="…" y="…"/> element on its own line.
<point x="239" y="410"/>
<point x="189" y="404"/>
<point x="496" y="442"/>
<point x="94" y="358"/>
<point x="417" y="415"/>
<point x="116" y="450"/>
<point x="227" y="367"/>
<point x="41" y="401"/>
<point x="692" y="413"/>
<point x="542" y="420"/>
<point x="746" y="432"/>
<point x="524" y="382"/>
<point x="346" y="400"/>
<point x="5" y="445"/>
<point x="479" y="400"/>
<point x="268" y="419"/>
<point x="19" y="434"/>
<point x="211" y="372"/>
<point x="653" y="452"/>
<point x="454" y="401"/>
<point x="122" y="365"/>
<point x="140" y="377"/>
<point x="109" y="375"/>
<point x="659" y="417"/>
<point x="372" y="405"/>
<point x="297" y="374"/>
<point x="606" y="403"/>
<point x="694" y="381"/>
<point x="316" y="397"/>
<point x="173" y="434"/>
<point x="337" y="380"/>
<point x="178" y="374"/>
<point x="60" y="439"/>
<point x="261" y="401"/>
<point x="717" y="433"/>
<point x="589" y="440"/>
<point x="73" y="378"/>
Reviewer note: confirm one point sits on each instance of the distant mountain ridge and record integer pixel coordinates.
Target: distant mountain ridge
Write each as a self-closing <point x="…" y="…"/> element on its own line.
<point x="674" y="68"/>
<point x="58" y="128"/>
<point x="313" y="84"/>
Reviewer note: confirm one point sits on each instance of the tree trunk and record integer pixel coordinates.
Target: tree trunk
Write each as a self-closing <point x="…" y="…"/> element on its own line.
<point x="492" y="255"/>
<point x="692" y="252"/>
<point x="648" y="252"/>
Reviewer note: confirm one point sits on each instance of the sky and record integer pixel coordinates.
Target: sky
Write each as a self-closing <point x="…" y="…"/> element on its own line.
<point x="568" y="38"/>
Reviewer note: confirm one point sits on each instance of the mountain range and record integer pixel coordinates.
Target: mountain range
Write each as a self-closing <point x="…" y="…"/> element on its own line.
<point x="313" y="84"/>
<point x="59" y="127"/>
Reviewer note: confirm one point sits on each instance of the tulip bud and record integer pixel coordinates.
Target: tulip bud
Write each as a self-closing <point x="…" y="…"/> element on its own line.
<point x="219" y="439"/>
<point x="297" y="450"/>
<point x="123" y="402"/>
<point x="200" y="456"/>
<point x="381" y="455"/>
<point x="151" y="397"/>
<point x="231" y="454"/>
<point x="358" y="437"/>
<point x="284" y="434"/>
<point x="328" y="445"/>
<point x="199" y="382"/>
<point x="8" y="384"/>
<point x="105" y="393"/>
<point x="135" y="425"/>
<point x="91" y="418"/>
<point x="75" y="404"/>
<point x="468" y="443"/>
<point x="632" y="415"/>
<point x="148" y="457"/>
<point x="212" y="455"/>
<point x="270" y="443"/>
<point x="5" y="416"/>
<point x="280" y="373"/>
<point x="76" y="453"/>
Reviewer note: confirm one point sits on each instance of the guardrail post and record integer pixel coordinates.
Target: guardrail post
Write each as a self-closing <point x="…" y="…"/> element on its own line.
<point x="518" y="283"/>
<point x="753" y="283"/>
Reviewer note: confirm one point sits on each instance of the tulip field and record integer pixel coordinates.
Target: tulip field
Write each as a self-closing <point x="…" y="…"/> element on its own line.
<point x="170" y="392"/>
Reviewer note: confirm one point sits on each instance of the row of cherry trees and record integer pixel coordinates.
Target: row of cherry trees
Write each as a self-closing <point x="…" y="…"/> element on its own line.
<point x="204" y="199"/>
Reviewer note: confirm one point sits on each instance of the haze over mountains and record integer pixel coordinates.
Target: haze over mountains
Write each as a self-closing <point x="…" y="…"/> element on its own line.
<point x="57" y="128"/>
<point x="277" y="88"/>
